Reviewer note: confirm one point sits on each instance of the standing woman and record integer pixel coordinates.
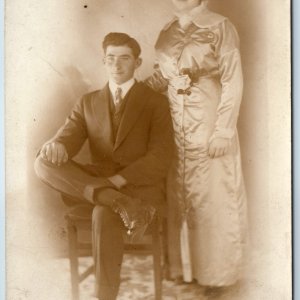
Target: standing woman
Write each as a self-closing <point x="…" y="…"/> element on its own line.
<point x="198" y="63"/>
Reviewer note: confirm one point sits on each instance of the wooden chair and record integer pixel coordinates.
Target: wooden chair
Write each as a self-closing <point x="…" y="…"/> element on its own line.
<point x="78" y="219"/>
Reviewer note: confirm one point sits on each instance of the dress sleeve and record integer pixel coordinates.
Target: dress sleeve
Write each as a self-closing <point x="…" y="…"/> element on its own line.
<point x="229" y="60"/>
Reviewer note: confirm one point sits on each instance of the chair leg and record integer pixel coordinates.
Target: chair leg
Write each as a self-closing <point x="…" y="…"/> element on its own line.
<point x="166" y="266"/>
<point x="157" y="261"/>
<point x="73" y="255"/>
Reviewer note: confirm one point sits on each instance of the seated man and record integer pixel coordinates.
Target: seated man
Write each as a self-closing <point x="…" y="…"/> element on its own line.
<point x="129" y="130"/>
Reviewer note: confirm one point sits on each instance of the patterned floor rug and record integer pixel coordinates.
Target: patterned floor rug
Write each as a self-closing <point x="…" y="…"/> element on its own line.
<point x="137" y="279"/>
<point x="137" y="282"/>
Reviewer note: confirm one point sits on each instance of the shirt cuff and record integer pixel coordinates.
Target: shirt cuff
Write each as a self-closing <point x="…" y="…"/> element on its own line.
<point x="118" y="181"/>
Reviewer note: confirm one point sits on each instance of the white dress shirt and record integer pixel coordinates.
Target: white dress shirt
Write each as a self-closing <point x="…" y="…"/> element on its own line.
<point x="126" y="86"/>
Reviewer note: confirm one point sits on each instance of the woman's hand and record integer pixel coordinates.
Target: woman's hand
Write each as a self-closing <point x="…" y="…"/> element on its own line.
<point x="218" y="147"/>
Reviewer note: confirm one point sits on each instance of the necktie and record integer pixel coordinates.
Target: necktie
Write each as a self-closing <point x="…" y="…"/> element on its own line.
<point x="117" y="113"/>
<point x="118" y="98"/>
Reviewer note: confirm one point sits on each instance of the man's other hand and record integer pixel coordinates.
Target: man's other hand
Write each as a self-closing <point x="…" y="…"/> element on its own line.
<point x="55" y="153"/>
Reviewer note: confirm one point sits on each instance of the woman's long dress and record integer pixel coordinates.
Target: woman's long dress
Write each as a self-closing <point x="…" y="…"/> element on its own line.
<point x="206" y="197"/>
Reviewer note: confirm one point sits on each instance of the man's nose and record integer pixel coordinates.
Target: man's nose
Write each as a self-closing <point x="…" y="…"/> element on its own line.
<point x="117" y="62"/>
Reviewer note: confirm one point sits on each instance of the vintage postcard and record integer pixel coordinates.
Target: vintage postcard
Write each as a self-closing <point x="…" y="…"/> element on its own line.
<point x="161" y="123"/>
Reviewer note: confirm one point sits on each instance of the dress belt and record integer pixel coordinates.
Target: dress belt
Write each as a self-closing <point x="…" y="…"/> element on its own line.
<point x="184" y="92"/>
<point x="194" y="76"/>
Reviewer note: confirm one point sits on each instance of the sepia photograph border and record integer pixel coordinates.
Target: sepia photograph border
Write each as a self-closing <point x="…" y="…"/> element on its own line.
<point x="13" y="166"/>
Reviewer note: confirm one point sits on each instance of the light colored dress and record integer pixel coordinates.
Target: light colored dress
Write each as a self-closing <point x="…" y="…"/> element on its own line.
<point x="206" y="197"/>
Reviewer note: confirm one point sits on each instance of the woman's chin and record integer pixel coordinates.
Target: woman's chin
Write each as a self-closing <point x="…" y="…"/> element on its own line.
<point x="185" y="5"/>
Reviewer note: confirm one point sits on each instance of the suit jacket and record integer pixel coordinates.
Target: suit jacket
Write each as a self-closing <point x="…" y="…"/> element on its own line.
<point x="143" y="147"/>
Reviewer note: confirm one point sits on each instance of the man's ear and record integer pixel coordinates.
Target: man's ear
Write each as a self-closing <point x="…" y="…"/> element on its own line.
<point x="138" y="62"/>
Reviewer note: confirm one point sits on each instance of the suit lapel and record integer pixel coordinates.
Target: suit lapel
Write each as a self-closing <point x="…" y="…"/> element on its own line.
<point x="101" y="108"/>
<point x="134" y="106"/>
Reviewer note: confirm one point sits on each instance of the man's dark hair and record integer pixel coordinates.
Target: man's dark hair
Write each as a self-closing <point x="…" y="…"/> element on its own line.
<point x="122" y="39"/>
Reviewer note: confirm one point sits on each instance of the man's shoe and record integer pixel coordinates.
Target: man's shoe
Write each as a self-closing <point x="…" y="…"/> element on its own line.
<point x="135" y="215"/>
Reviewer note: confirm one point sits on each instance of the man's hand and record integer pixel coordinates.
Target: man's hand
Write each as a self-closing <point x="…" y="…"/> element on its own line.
<point x="55" y="153"/>
<point x="218" y="147"/>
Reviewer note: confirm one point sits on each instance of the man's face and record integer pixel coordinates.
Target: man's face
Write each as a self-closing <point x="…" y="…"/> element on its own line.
<point x="120" y="63"/>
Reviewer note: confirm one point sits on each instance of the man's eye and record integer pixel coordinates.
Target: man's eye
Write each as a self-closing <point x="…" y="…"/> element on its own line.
<point x="124" y="58"/>
<point x="109" y="58"/>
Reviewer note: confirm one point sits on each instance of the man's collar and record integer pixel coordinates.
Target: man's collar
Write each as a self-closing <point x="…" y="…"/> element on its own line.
<point x="126" y="86"/>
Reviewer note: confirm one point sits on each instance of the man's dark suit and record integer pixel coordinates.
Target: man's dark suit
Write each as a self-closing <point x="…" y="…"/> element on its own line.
<point x="140" y="152"/>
